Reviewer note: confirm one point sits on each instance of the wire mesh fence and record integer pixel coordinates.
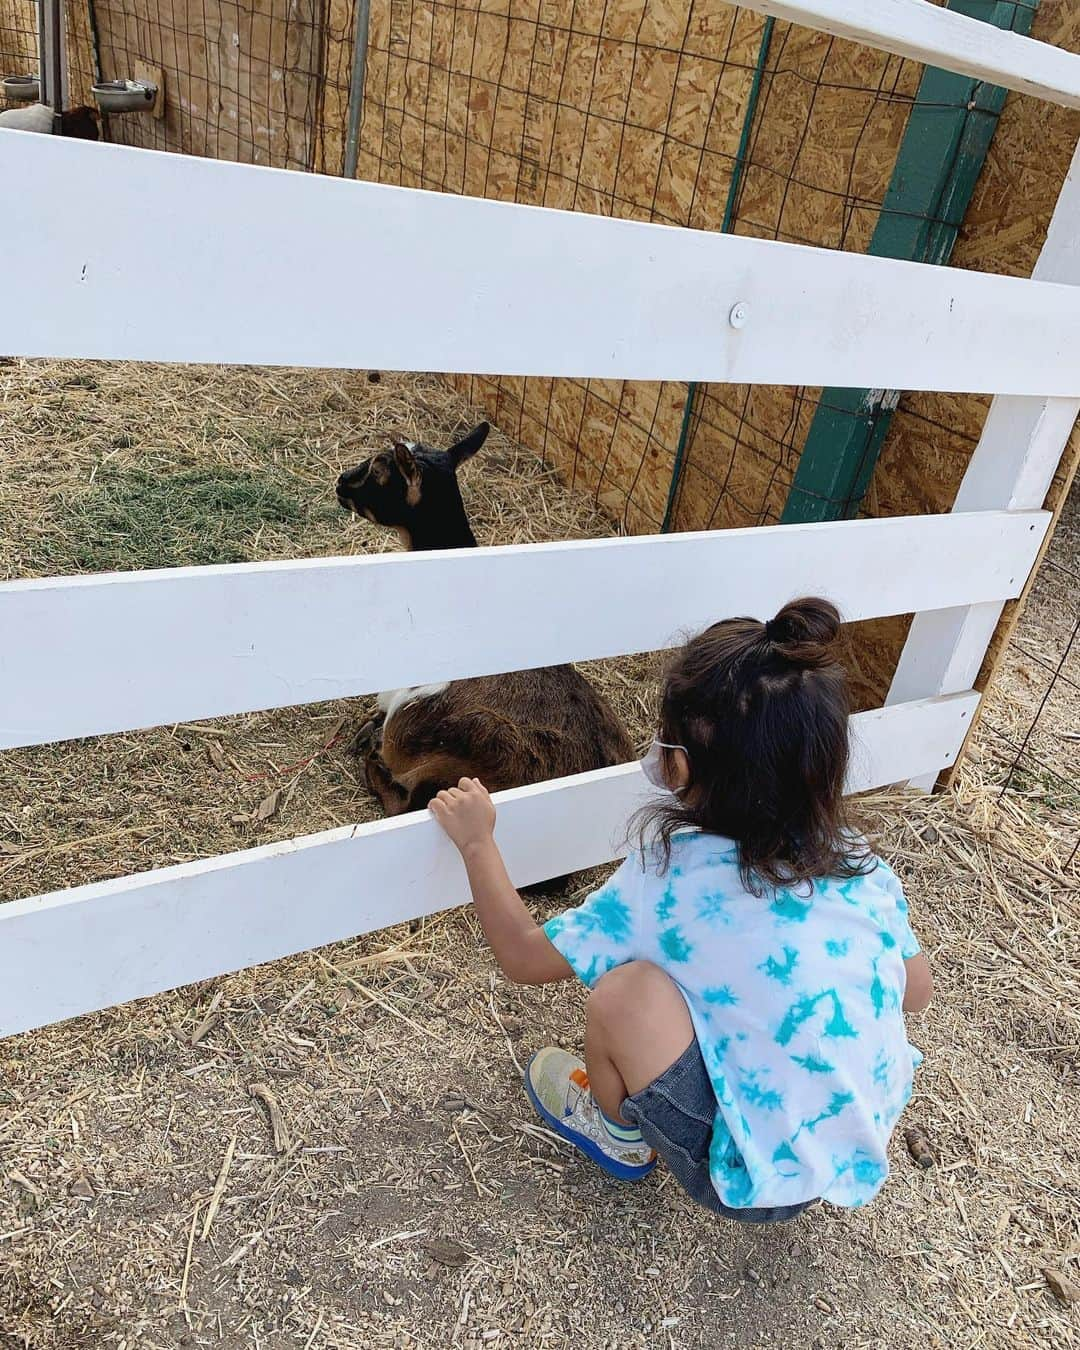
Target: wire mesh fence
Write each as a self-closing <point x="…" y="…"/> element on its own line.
<point x="686" y="112"/>
<point x="699" y="115"/>
<point x="689" y="113"/>
<point x="257" y="83"/>
<point x="18" y="37"/>
<point x="1031" y="716"/>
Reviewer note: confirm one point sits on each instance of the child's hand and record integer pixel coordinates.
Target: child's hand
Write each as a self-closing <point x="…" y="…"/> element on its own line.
<point x="466" y="813"/>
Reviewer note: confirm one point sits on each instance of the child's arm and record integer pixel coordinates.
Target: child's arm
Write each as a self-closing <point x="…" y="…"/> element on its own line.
<point x="521" y="947"/>
<point x="920" y="984"/>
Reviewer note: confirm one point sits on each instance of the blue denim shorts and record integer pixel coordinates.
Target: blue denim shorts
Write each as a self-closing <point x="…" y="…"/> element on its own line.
<point x="675" y="1114"/>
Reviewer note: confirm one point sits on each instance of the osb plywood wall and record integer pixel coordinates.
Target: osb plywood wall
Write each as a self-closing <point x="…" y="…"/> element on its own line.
<point x="627" y="108"/>
<point x="823" y="143"/>
<point x="632" y="108"/>
<point x="261" y="83"/>
<point x="635" y="110"/>
<point x="932" y="435"/>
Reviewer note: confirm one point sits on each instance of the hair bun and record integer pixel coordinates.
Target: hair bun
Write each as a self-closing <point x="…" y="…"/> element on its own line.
<point x="804" y="631"/>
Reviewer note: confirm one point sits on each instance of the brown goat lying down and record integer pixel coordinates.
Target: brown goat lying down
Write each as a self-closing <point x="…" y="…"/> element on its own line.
<point x="506" y="730"/>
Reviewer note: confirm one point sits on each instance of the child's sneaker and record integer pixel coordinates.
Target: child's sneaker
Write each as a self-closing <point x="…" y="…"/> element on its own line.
<point x="559" y="1089"/>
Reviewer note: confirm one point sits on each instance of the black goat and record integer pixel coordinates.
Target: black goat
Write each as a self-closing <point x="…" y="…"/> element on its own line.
<point x="414" y="490"/>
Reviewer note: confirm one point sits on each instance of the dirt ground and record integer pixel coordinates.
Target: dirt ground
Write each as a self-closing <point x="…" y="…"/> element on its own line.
<point x="334" y="1150"/>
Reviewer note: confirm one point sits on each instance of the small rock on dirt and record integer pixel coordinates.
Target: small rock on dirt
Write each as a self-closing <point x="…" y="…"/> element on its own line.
<point x="268" y="807"/>
<point x="1064" y="1289"/>
<point x="446" y="1252"/>
<point x="918" y="1144"/>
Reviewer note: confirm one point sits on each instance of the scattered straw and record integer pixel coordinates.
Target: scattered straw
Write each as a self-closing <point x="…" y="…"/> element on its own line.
<point x="219" y="1189"/>
<point x="481" y="1191"/>
<point x="187" y="1258"/>
<point x="385" y="1055"/>
<point x="208" y="1020"/>
<point x="277" y="1122"/>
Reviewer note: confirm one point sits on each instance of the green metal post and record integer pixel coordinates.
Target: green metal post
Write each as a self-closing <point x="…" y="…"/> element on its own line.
<point x="941" y="156"/>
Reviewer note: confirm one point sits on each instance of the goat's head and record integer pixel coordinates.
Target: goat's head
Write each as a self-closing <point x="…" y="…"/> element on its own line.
<point x="413" y="489"/>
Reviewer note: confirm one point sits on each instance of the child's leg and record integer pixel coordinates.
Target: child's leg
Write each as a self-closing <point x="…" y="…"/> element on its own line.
<point x="636" y="1026"/>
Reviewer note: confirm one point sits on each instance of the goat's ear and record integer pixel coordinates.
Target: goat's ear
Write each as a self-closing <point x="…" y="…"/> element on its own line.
<point x="468" y="447"/>
<point x="410" y="471"/>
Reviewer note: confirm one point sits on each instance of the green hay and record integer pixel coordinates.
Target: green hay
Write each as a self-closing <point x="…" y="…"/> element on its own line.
<point x="1044" y="787"/>
<point x="132" y="518"/>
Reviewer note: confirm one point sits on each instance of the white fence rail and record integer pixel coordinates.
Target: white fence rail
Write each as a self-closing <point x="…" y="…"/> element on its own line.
<point x="939" y="37"/>
<point x="243" y="265"/>
<point x="91" y="947"/>
<point x="128" y="650"/>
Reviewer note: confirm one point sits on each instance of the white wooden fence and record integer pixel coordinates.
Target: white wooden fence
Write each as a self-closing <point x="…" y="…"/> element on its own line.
<point x="242" y="265"/>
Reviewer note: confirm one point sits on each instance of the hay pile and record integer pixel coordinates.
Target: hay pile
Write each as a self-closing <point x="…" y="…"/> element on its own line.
<point x="334" y="1151"/>
<point x="139" y="466"/>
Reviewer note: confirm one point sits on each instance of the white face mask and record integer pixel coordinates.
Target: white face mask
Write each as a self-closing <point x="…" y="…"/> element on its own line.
<point x="652" y="765"/>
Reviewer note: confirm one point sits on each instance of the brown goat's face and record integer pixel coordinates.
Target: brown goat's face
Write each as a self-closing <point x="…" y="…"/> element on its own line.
<point x="385" y="489"/>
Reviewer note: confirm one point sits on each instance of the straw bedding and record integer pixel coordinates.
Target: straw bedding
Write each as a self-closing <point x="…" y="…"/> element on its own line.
<point x="334" y="1150"/>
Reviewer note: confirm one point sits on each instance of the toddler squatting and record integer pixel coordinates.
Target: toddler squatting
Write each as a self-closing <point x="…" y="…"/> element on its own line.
<point x="751" y="961"/>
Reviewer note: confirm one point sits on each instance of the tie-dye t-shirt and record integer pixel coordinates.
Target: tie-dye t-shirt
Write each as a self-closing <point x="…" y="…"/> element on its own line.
<point x="796" y="1001"/>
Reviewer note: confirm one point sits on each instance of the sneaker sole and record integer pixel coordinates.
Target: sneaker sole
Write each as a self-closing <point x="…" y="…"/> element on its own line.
<point x="592" y="1151"/>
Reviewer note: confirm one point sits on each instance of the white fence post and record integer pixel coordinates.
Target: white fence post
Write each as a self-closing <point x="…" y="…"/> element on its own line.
<point x="1014" y="463"/>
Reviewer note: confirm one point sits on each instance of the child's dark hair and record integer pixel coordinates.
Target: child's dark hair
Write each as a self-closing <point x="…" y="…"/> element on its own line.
<point x="762" y="712"/>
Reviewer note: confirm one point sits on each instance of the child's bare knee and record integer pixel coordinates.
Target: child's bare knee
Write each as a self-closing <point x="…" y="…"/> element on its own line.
<point x="627" y="991"/>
